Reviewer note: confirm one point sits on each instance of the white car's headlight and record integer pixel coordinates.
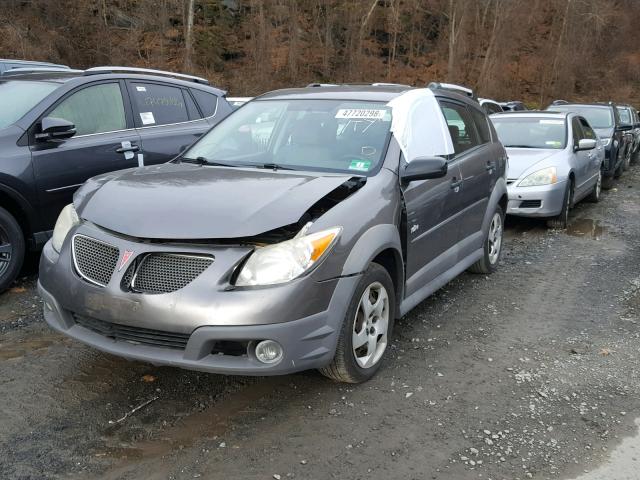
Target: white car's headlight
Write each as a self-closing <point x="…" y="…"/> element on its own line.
<point x="546" y="176"/>
<point x="287" y="260"/>
<point x="67" y="219"/>
<point x="605" y="141"/>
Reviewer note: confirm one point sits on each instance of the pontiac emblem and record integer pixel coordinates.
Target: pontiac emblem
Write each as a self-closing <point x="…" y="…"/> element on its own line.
<point x="126" y="256"/>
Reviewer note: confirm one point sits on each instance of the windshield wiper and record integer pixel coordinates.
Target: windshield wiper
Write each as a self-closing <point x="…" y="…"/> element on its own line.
<point x="518" y="146"/>
<point x="205" y="161"/>
<point x="273" y="166"/>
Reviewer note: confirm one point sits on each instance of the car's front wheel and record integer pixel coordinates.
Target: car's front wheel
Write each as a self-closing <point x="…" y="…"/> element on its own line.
<point x="366" y="329"/>
<point x="11" y="249"/>
<point x="560" y="221"/>
<point x="492" y="248"/>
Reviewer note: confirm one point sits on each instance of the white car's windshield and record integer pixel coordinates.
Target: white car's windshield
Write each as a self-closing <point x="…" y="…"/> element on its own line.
<point x="531" y="132"/>
<point x="598" y="117"/>
<point x="18" y="97"/>
<point x="325" y="135"/>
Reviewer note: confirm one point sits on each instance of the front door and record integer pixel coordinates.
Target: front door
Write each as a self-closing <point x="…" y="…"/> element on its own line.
<point x="103" y="142"/>
<point x="431" y="230"/>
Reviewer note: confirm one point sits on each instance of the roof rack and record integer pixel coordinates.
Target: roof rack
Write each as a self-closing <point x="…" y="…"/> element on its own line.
<point x="365" y="84"/>
<point x="454" y="88"/>
<point x="145" y="71"/>
<point x="315" y="84"/>
<point x="31" y="70"/>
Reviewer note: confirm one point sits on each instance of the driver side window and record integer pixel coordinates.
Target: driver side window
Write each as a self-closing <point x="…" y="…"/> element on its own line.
<point x="94" y="109"/>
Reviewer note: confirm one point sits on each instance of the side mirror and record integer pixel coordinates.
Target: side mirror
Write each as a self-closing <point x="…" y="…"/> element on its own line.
<point x="424" y="168"/>
<point x="55" y="129"/>
<point x="586" y="144"/>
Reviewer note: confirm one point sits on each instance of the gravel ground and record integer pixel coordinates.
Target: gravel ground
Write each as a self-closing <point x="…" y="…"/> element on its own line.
<point x="532" y="372"/>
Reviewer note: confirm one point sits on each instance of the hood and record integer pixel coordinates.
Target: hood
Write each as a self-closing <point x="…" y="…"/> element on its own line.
<point x="604" y="132"/>
<point x="186" y="201"/>
<point x="522" y="159"/>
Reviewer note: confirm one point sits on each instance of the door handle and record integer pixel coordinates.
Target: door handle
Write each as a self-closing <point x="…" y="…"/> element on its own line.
<point x="490" y="166"/>
<point x="455" y="184"/>
<point x="132" y="148"/>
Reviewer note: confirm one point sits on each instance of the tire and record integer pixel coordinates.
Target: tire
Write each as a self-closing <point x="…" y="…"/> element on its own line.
<point x="354" y="365"/>
<point x="607" y="183"/>
<point x="492" y="247"/>
<point x="627" y="161"/>
<point x="560" y="222"/>
<point x="12" y="249"/>
<point x="619" y="170"/>
<point x="635" y="156"/>
<point x="594" y="196"/>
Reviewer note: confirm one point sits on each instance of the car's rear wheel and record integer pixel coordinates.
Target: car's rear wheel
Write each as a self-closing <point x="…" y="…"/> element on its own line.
<point x="492" y="248"/>
<point x="366" y="329"/>
<point x="11" y="249"/>
<point x="594" y="196"/>
<point x="560" y="221"/>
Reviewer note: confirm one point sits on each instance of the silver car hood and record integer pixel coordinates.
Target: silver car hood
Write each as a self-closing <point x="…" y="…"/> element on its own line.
<point x="522" y="159"/>
<point x="186" y="201"/>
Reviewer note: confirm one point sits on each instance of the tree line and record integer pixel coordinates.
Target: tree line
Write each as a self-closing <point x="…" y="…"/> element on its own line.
<point x="531" y="50"/>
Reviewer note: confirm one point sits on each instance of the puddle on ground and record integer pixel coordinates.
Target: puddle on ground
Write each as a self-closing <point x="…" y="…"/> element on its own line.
<point x="20" y="349"/>
<point x="587" y="228"/>
<point x="622" y="464"/>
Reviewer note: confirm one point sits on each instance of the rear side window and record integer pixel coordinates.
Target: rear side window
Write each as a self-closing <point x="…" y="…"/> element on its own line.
<point x="208" y="102"/>
<point x="482" y="124"/>
<point x="461" y="128"/>
<point x="158" y="104"/>
<point x="95" y="109"/>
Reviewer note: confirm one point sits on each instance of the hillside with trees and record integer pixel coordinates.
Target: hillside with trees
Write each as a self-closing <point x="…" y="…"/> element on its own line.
<point x="534" y="50"/>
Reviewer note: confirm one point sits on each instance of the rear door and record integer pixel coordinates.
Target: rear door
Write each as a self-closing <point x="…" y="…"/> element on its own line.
<point x="166" y="117"/>
<point x="476" y="159"/>
<point x="105" y="141"/>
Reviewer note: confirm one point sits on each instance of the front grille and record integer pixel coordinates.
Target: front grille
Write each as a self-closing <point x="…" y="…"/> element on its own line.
<point x="137" y="335"/>
<point x="165" y="272"/>
<point x="531" y="204"/>
<point x="95" y="261"/>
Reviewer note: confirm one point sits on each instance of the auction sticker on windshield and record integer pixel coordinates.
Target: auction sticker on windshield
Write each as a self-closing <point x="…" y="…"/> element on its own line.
<point x="361" y="113"/>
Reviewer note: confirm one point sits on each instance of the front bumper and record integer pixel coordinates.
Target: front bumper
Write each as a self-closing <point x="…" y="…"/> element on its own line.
<point x="550" y="199"/>
<point x="304" y="316"/>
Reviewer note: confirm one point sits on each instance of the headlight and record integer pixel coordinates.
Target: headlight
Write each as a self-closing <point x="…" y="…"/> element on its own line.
<point x="67" y="219"/>
<point x="546" y="176"/>
<point x="287" y="260"/>
<point x="605" y="142"/>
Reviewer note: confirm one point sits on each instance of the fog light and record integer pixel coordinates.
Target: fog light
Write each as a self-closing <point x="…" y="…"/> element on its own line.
<point x="269" y="351"/>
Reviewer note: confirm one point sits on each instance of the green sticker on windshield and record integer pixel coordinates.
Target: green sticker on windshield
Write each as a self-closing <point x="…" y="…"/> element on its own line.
<point x="361" y="165"/>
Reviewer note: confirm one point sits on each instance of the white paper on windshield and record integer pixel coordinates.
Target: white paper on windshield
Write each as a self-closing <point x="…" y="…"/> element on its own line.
<point x="419" y="126"/>
<point x="551" y="122"/>
<point x="147" y="118"/>
<point x="361" y="113"/>
<point x="141" y="89"/>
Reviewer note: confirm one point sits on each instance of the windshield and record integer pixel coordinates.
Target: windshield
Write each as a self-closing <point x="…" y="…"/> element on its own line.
<point x="325" y="135"/>
<point x="18" y="97"/>
<point x="598" y="117"/>
<point x="531" y="132"/>
<point x="625" y="115"/>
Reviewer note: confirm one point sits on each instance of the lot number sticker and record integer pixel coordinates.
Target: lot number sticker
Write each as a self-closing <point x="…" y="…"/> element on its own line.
<point x="361" y="113"/>
<point x="147" y="118"/>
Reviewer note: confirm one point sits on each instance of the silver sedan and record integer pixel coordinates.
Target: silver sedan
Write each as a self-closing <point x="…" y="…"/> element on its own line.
<point x="555" y="160"/>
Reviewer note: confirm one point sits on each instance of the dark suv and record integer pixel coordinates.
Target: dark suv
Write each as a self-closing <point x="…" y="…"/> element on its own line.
<point x="605" y="120"/>
<point x="629" y="116"/>
<point x="57" y="129"/>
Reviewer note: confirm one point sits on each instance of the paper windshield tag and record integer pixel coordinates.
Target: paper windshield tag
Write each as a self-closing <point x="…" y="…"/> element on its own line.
<point x="551" y="122"/>
<point x="360" y="165"/>
<point x="361" y="113"/>
<point x="141" y="89"/>
<point x="147" y="118"/>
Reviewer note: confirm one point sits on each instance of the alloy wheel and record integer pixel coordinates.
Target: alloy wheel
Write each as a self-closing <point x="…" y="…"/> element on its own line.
<point x="6" y="250"/>
<point x="370" y="327"/>
<point x="495" y="238"/>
